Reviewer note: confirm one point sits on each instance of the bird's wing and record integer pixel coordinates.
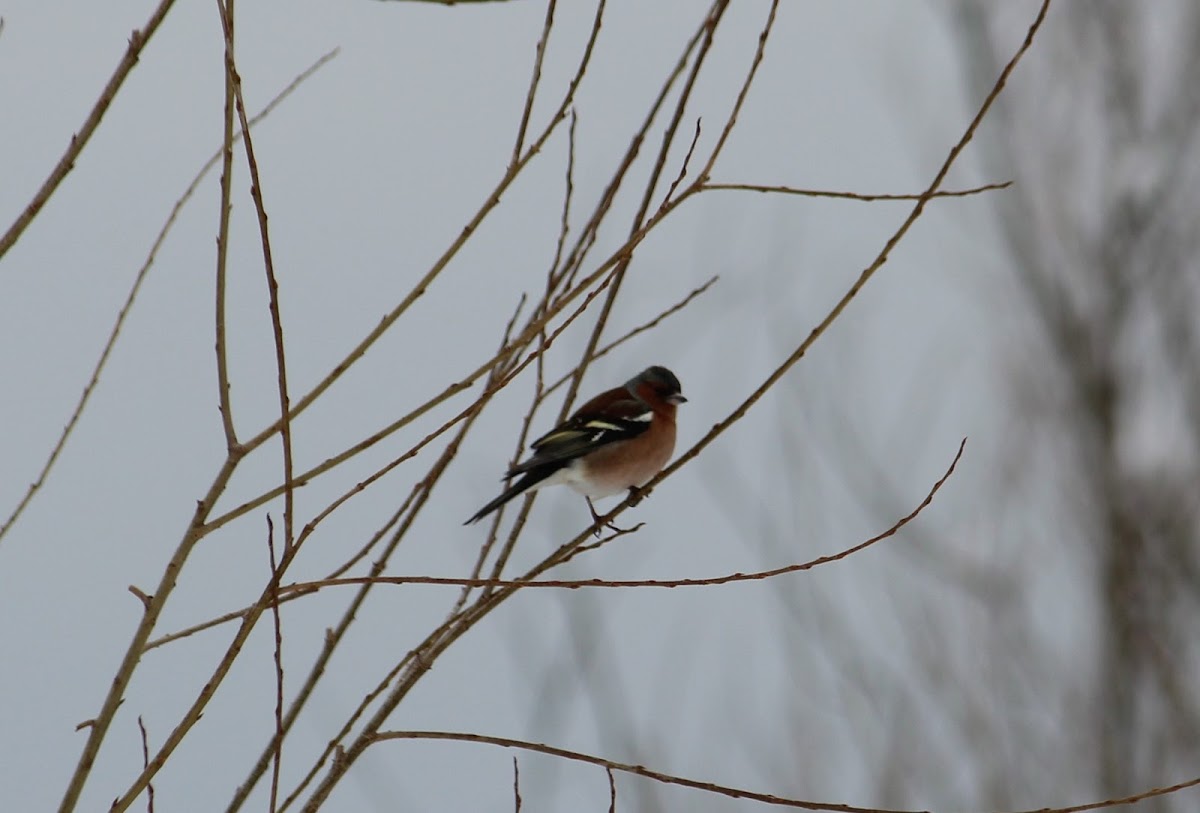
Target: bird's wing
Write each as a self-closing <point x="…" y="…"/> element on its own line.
<point x="593" y="426"/>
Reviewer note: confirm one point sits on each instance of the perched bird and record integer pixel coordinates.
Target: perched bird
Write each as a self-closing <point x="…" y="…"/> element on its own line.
<point x="618" y="440"/>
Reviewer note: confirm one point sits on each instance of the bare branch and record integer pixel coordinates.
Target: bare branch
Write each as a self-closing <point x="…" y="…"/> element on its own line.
<point x="636" y="770"/>
<point x="573" y="584"/>
<point x="824" y="193"/>
<point x="534" y="79"/>
<point x="285" y="430"/>
<point x="137" y="42"/>
<point x="277" y="760"/>
<point x="145" y="762"/>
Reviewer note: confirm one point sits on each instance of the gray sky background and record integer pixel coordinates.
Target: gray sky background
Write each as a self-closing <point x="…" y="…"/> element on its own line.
<point x="369" y="171"/>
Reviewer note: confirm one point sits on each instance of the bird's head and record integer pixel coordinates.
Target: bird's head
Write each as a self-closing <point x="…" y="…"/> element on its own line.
<point x="656" y="383"/>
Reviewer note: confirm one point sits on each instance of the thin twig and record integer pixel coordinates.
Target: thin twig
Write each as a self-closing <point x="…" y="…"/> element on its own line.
<point x="741" y="97"/>
<point x="683" y="167"/>
<point x="146" y="761"/>
<point x="276" y="762"/>
<point x="564" y="226"/>
<point x="739" y="793"/>
<point x="516" y="786"/>
<point x="212" y="622"/>
<point x="653" y="323"/>
<point x="540" y="53"/>
<point x="489" y="542"/>
<point x="256" y="193"/>
<point x="825" y="193"/>
<point x="573" y="584"/>
<point x="137" y="42"/>
<point x="224" y="404"/>
<point x="622" y="767"/>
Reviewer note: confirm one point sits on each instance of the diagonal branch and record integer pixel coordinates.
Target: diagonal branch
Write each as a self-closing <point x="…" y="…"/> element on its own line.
<point x="137" y="42"/>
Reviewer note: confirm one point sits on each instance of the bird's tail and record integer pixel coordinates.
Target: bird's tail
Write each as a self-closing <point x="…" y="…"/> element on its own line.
<point x="527" y="482"/>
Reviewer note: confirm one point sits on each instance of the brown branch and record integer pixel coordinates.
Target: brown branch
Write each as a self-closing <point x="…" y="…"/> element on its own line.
<point x="212" y="622"/>
<point x="564" y="226"/>
<point x="745" y="90"/>
<point x="724" y="790"/>
<point x="285" y="430"/>
<point x="533" y="80"/>
<point x="145" y="762"/>
<point x="1118" y="802"/>
<point x="140" y="594"/>
<point x="137" y="42"/>
<point x="683" y="168"/>
<point x="277" y="760"/>
<point x="225" y="405"/>
<point x="825" y="193"/>
<point x="622" y="767"/>
<point x="572" y="584"/>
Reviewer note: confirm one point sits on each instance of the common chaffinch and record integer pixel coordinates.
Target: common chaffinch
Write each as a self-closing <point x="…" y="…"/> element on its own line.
<point x="618" y="440"/>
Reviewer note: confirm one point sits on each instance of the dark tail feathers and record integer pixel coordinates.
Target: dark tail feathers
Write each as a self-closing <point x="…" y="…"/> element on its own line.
<point x="527" y="482"/>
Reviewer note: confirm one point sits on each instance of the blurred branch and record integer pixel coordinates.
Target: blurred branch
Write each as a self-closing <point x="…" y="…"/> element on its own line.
<point x="736" y="793"/>
<point x="636" y="770"/>
<point x="824" y="193"/>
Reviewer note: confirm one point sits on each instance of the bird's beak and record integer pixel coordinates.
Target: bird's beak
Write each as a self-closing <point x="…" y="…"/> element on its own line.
<point x="677" y="399"/>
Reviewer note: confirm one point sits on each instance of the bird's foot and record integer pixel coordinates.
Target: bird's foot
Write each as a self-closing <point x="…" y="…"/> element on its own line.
<point x="636" y="495"/>
<point x="599" y="523"/>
